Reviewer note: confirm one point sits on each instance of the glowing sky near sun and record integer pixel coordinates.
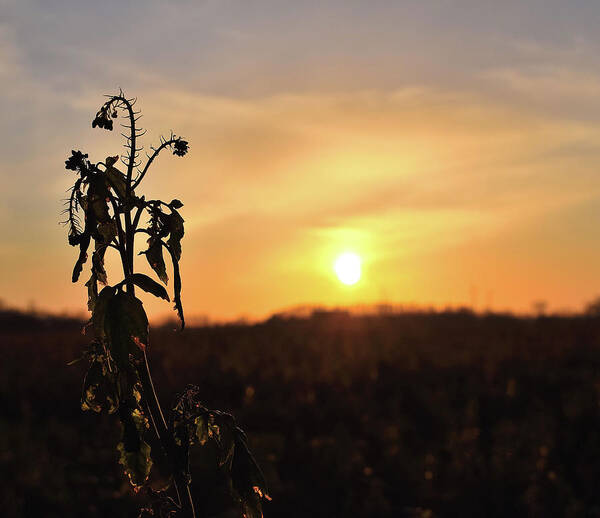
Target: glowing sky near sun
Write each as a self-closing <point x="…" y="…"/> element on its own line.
<point x="454" y="146"/>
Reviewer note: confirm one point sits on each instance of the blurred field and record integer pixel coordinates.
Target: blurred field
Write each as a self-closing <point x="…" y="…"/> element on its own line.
<point x="446" y="414"/>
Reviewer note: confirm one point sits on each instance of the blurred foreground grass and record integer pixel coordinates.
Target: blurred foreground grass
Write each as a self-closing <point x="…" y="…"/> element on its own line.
<point x="446" y="414"/>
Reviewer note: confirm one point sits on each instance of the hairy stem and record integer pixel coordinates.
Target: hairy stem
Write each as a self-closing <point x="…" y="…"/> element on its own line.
<point x="121" y="99"/>
<point x="156" y="152"/>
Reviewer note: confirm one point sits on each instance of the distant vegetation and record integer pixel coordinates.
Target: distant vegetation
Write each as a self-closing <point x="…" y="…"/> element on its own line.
<point x="418" y="414"/>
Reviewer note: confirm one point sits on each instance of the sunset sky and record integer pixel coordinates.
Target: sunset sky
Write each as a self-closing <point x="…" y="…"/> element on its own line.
<point x="454" y="146"/>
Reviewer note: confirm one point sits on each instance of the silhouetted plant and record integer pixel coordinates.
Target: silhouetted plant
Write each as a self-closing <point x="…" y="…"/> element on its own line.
<point x="118" y="380"/>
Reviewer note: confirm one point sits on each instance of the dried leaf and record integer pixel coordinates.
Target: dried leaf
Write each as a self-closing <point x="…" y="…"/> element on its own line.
<point x="176" y="231"/>
<point x="98" y="264"/>
<point x="135" y="452"/>
<point x="126" y="327"/>
<point x="100" y="309"/>
<point x="247" y="478"/>
<point x="155" y="258"/>
<point x="224" y="444"/>
<point x="92" y="286"/>
<point x="177" y="289"/>
<point x="116" y="179"/>
<point x="108" y="231"/>
<point x="100" y="392"/>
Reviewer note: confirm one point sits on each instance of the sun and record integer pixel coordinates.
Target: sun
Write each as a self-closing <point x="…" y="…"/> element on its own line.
<point x="347" y="268"/>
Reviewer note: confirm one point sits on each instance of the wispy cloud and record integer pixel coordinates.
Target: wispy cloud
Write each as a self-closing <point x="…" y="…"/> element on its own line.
<point x="314" y="128"/>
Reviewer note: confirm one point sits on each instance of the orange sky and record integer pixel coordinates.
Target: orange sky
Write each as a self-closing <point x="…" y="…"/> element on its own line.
<point x="459" y="160"/>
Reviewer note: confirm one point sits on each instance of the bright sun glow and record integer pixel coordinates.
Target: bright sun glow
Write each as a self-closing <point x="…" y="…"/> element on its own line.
<point x="347" y="268"/>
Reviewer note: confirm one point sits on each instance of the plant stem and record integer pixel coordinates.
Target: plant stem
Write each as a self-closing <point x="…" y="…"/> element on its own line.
<point x="157" y="417"/>
<point x="166" y="440"/>
<point x="160" y="426"/>
<point x="151" y="158"/>
<point x="126" y="249"/>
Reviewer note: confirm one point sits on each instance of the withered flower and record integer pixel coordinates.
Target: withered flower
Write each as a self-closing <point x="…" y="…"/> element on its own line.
<point x="76" y="161"/>
<point x="103" y="119"/>
<point x="180" y="147"/>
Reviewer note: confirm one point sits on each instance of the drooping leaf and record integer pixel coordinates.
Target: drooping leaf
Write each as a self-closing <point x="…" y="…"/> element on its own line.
<point x="92" y="286"/>
<point x="149" y="285"/>
<point x="116" y="178"/>
<point x="96" y="210"/>
<point x="106" y="231"/>
<point x="154" y="255"/>
<point x="96" y="199"/>
<point x="134" y="451"/>
<point x="98" y="264"/>
<point x="176" y="231"/>
<point x="222" y="426"/>
<point x="83" y="246"/>
<point x="100" y="310"/>
<point x="177" y="289"/>
<point x="247" y="479"/>
<point x="126" y="328"/>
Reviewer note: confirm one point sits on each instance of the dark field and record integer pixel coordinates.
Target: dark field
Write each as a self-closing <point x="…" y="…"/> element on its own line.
<point x="409" y="415"/>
